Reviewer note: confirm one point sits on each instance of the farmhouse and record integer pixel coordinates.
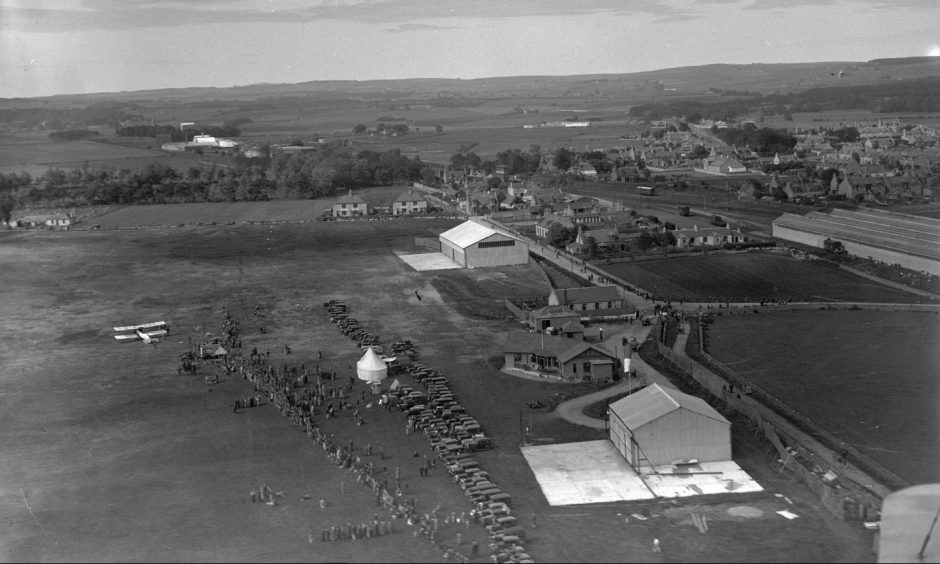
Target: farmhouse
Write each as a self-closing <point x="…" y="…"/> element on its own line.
<point x="350" y="205"/>
<point x="590" y="298"/>
<point x="656" y="426"/>
<point x="474" y="245"/>
<point x="54" y="221"/>
<point x="895" y="238"/>
<point x="707" y="236"/>
<point x="409" y="202"/>
<point x="570" y="360"/>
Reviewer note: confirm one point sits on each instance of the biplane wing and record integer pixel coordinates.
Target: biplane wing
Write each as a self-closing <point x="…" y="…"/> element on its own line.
<point x="147" y="337"/>
<point x="142" y="326"/>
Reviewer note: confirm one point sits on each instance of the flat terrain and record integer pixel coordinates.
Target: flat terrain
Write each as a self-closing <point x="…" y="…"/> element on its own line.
<point x="35" y="153"/>
<point x="111" y="455"/>
<point x="846" y="371"/>
<point x="753" y="276"/>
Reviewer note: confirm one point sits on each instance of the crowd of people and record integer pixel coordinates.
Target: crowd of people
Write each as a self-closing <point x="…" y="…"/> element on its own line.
<point x="350" y="531"/>
<point x="300" y="394"/>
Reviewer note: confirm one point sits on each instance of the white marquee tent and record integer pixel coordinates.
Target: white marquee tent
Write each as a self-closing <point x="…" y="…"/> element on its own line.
<point x="371" y="368"/>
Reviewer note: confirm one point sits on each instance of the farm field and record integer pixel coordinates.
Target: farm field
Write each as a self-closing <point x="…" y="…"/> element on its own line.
<point x="205" y="213"/>
<point x="868" y="377"/>
<point x="35" y="154"/>
<point x="111" y="455"/>
<point x="751" y="277"/>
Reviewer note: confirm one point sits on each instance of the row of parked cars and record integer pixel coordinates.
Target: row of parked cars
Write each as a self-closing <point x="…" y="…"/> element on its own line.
<point x="350" y="327"/>
<point x="437" y="413"/>
<point x="453" y="435"/>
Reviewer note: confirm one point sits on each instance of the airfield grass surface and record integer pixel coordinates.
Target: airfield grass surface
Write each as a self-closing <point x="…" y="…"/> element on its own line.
<point x="110" y="455"/>
<point x="868" y="377"/>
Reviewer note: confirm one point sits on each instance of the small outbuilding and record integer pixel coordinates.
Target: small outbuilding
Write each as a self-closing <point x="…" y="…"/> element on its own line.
<point x="657" y="426"/>
<point x="474" y="245"/>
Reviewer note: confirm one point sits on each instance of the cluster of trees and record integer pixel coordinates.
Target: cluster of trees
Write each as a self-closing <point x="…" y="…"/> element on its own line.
<point x="916" y="95"/>
<point x="691" y="110"/>
<point x="648" y="239"/>
<point x="518" y="161"/>
<point x="319" y="173"/>
<point x="98" y="113"/>
<point x="298" y="176"/>
<point x="73" y="134"/>
<point x="148" y="130"/>
<point x="9" y="185"/>
<point x="766" y="141"/>
<point x="382" y="129"/>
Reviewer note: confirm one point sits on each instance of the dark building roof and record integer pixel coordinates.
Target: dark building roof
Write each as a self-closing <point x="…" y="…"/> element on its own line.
<point x="562" y="348"/>
<point x="585" y="295"/>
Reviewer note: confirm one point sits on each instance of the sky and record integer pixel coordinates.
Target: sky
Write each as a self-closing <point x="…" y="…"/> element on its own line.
<point x="50" y="47"/>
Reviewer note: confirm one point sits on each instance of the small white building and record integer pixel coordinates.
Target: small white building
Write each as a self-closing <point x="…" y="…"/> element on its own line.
<point x="657" y="426"/>
<point x="474" y="245"/>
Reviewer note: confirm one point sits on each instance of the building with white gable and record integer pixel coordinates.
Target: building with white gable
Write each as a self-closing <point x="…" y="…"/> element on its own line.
<point x="474" y="245"/>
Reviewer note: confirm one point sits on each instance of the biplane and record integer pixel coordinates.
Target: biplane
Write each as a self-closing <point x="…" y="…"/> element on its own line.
<point x="146" y="332"/>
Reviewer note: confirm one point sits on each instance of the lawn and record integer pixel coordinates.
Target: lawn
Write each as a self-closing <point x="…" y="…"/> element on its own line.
<point x="111" y="455"/>
<point x="752" y="276"/>
<point x="845" y="371"/>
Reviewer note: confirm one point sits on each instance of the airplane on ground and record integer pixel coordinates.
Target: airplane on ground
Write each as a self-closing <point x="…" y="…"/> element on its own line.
<point x="146" y="332"/>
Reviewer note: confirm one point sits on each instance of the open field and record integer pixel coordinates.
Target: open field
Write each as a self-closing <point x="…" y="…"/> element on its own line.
<point x="110" y="455"/>
<point x="206" y="213"/>
<point x="845" y="371"/>
<point x="753" y="276"/>
<point x="35" y="153"/>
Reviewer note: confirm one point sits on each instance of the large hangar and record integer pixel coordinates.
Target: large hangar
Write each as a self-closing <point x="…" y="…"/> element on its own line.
<point x="473" y="245"/>
<point x="891" y="237"/>
<point x="656" y="427"/>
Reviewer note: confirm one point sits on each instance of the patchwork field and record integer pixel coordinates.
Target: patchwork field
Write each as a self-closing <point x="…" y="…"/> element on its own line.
<point x="868" y="377"/>
<point x="111" y="455"/>
<point x="752" y="276"/>
<point x="35" y="153"/>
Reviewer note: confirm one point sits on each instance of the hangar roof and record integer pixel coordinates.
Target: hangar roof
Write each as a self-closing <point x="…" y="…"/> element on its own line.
<point x="468" y="233"/>
<point x="653" y="402"/>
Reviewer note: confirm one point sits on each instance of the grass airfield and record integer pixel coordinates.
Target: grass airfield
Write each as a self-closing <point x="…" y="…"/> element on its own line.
<point x="110" y="455"/>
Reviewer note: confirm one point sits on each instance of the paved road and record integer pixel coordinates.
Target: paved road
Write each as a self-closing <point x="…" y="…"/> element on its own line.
<point x="573" y="409"/>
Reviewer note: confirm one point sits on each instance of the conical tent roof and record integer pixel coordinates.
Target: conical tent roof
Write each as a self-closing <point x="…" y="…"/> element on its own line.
<point x="370" y="367"/>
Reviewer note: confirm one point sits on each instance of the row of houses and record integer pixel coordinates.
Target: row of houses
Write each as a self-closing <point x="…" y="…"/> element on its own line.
<point x="48" y="221"/>
<point x="408" y="202"/>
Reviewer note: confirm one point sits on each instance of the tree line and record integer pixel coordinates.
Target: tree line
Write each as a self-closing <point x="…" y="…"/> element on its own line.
<point x="304" y="175"/>
<point x="914" y="95"/>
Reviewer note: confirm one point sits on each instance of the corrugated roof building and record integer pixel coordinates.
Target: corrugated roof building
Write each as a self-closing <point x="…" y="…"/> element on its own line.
<point x="894" y="238"/>
<point x="474" y="245"/>
<point x="657" y="426"/>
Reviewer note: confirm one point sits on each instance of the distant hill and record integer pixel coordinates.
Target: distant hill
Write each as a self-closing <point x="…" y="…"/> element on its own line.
<point x="756" y="77"/>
